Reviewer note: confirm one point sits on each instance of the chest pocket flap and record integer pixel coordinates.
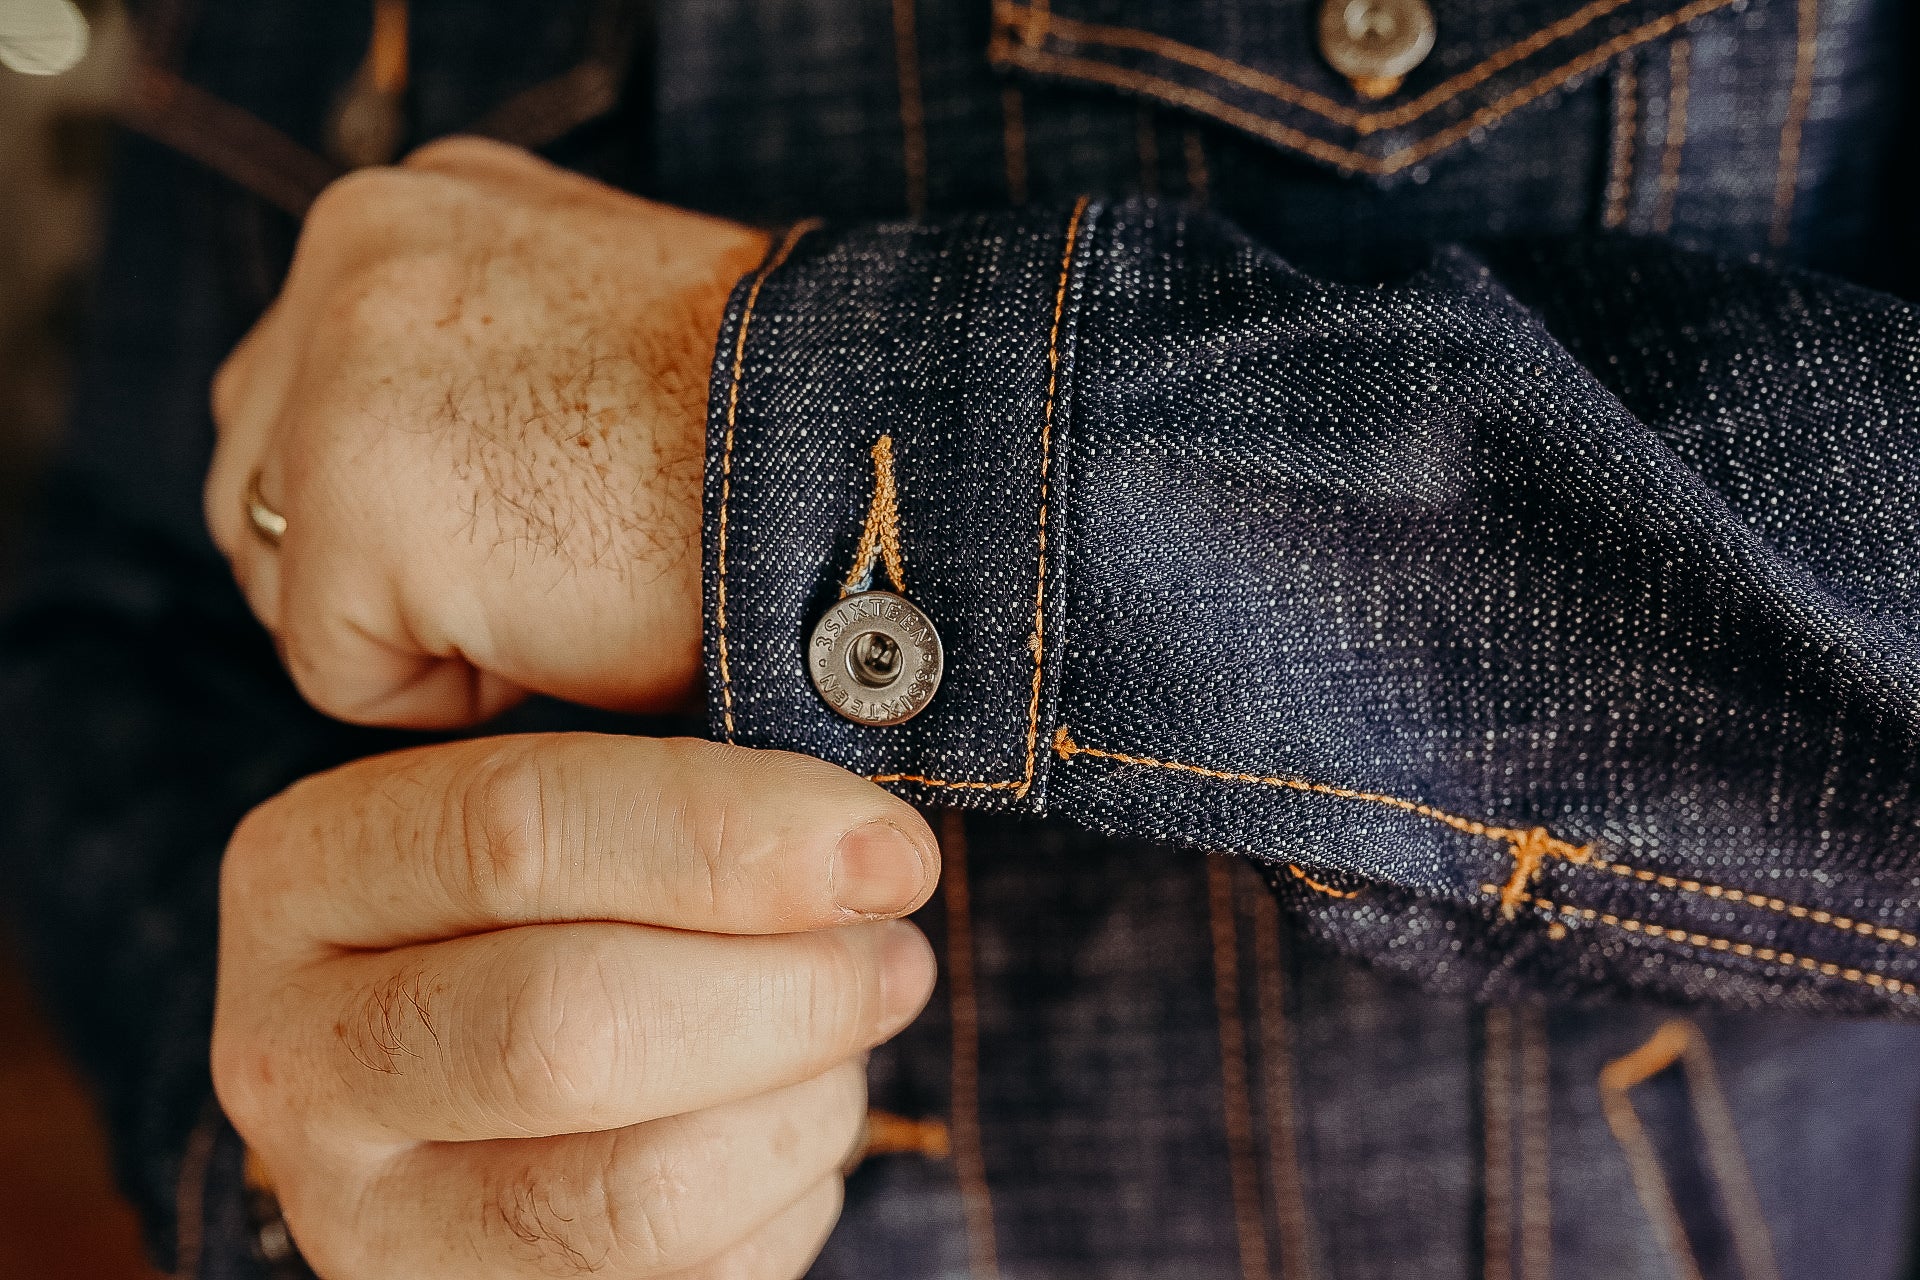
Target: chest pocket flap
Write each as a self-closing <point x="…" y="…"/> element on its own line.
<point x="1367" y="86"/>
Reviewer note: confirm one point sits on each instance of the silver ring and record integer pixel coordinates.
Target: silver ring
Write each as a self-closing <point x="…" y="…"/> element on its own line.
<point x="268" y="523"/>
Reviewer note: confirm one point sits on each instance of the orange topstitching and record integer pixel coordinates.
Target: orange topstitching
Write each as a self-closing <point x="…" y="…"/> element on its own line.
<point x="1530" y="846"/>
<point x="1786" y="180"/>
<point x="1826" y="968"/>
<point x="771" y="265"/>
<point x="1036" y="640"/>
<point x="1365" y="123"/>
<point x="880" y="539"/>
<point x="1208" y="104"/>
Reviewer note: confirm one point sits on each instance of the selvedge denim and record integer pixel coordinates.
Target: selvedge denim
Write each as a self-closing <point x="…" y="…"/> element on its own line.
<point x="1590" y="685"/>
<point x="1145" y="1063"/>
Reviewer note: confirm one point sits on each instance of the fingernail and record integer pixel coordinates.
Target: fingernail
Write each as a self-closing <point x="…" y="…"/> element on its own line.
<point x="878" y="870"/>
<point x="906" y="972"/>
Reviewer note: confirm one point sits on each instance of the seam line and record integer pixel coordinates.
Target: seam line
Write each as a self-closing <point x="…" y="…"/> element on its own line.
<point x="1530" y="846"/>
<point x="1679" y="69"/>
<point x="1037" y="642"/>
<point x="913" y="115"/>
<point x="1235" y="1102"/>
<point x="1292" y="1219"/>
<point x="1617" y="1077"/>
<point x="1625" y="141"/>
<point x="1825" y="968"/>
<point x="1205" y="103"/>
<point x="963" y="1034"/>
<point x="1362" y="122"/>
<point x="1496" y="1125"/>
<point x="1536" y="1144"/>
<point x="767" y="268"/>
<point x="1786" y="183"/>
<point x="1299" y="874"/>
<point x="1683" y="885"/>
<point x="1013" y="142"/>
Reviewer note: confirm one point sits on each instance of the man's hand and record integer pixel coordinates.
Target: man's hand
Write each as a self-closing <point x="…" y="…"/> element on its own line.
<point x="476" y="1018"/>
<point x="480" y="405"/>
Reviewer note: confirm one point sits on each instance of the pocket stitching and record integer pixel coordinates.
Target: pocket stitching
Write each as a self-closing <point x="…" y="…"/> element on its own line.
<point x="1016" y="53"/>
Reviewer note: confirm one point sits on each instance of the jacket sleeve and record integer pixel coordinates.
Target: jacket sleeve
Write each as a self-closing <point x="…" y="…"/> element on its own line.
<point x="1542" y="620"/>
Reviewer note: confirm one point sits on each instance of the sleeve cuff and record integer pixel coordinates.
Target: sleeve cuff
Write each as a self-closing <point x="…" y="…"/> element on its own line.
<point x="956" y="340"/>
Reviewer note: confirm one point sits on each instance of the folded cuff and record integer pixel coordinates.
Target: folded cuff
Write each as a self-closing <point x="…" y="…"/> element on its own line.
<point x="955" y="340"/>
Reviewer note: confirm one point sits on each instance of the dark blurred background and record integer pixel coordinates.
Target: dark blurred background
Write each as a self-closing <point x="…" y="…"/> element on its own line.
<point x="59" y="1214"/>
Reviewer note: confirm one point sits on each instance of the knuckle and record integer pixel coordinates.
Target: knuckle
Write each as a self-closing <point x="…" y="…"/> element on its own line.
<point x="548" y="1225"/>
<point x="656" y="1219"/>
<point x="563" y="1051"/>
<point x="501" y="821"/>
<point x="832" y="993"/>
<point x="347" y="203"/>
<point x="457" y="150"/>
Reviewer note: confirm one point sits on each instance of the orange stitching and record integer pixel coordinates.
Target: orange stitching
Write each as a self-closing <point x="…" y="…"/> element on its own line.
<point x="1147" y="142"/>
<point x="1782" y="907"/>
<point x="880" y="539"/>
<point x="771" y="265"/>
<point x="1317" y="887"/>
<point x="1008" y="785"/>
<point x="1276" y="1096"/>
<point x="1626" y="140"/>
<point x="1786" y="183"/>
<point x="969" y="1156"/>
<point x="1530" y="846"/>
<point x="1496" y="1084"/>
<point x="1679" y="66"/>
<point x="1825" y="968"/>
<point x="1536" y="1147"/>
<point x="913" y="118"/>
<point x="1235" y="1103"/>
<point x="1751" y="1239"/>
<point x="1037" y="642"/>
<point x="892" y="1135"/>
<point x="1197" y="178"/>
<point x="1013" y="141"/>
<point x="1364" y="123"/>
<point x="1207" y="104"/>
<point x="1660" y="1051"/>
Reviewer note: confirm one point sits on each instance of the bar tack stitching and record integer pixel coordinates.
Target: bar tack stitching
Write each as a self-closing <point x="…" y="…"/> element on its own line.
<point x="1530" y="846"/>
<point x="880" y="539"/>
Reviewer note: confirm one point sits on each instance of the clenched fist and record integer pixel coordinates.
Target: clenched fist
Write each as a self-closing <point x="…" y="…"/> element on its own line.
<point x="565" y="1005"/>
<point x="547" y="1005"/>
<point x="479" y="405"/>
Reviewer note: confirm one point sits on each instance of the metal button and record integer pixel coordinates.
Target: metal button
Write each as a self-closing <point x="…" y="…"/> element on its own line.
<point x="1374" y="43"/>
<point x="876" y="658"/>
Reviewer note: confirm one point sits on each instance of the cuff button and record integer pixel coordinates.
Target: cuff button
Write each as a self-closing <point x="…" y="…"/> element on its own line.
<point x="876" y="658"/>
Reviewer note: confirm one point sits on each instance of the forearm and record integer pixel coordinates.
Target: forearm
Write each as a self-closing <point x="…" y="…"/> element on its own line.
<point x="1515" y="648"/>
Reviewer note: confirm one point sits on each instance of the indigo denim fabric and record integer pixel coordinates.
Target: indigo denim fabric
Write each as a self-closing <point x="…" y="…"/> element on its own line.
<point x="1558" y="531"/>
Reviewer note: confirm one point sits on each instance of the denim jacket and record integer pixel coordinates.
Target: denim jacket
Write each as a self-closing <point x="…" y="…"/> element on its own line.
<point x="1456" y="497"/>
